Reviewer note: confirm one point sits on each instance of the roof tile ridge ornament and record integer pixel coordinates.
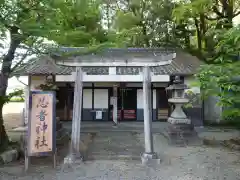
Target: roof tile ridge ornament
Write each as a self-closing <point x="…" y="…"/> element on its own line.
<point x="115" y="49"/>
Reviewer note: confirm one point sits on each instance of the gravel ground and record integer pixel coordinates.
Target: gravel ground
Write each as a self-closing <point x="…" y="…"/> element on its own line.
<point x="178" y="163"/>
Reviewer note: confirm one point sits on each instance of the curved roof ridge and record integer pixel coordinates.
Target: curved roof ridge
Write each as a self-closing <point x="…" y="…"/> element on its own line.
<point x="184" y="63"/>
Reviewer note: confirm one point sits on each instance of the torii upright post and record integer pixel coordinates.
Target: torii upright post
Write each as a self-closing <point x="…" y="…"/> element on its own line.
<point x="74" y="155"/>
<point x="149" y="156"/>
<point x="115" y="120"/>
<point x="77" y="113"/>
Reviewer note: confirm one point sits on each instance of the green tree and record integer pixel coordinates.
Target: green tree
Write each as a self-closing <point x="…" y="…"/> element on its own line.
<point x="31" y="27"/>
<point x="222" y="78"/>
<point x="145" y="23"/>
<point x="207" y="18"/>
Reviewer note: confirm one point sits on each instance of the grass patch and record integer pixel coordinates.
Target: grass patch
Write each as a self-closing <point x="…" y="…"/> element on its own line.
<point x="17" y="99"/>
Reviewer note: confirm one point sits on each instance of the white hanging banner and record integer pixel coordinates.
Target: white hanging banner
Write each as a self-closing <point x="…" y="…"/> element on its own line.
<point x="98" y="114"/>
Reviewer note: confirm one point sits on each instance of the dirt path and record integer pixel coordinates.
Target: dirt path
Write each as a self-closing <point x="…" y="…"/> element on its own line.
<point x="115" y="146"/>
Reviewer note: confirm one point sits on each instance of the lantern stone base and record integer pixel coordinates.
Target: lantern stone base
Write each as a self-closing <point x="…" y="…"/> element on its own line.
<point x="182" y="134"/>
<point x="173" y="120"/>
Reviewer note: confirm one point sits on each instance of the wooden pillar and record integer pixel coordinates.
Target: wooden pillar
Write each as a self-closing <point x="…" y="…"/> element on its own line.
<point x="26" y="105"/>
<point x="93" y="114"/>
<point x="26" y="101"/>
<point x="115" y="109"/>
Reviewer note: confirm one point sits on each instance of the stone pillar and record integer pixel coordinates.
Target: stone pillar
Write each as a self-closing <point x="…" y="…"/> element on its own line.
<point x="77" y="112"/>
<point x="115" y="121"/>
<point x="149" y="155"/>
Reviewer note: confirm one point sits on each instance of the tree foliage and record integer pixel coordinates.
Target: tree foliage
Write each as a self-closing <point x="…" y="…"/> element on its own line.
<point x="222" y="78"/>
<point x="144" y="23"/>
<point x="207" y="18"/>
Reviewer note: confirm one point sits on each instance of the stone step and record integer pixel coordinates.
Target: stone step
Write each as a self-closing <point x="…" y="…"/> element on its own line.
<point x="114" y="146"/>
<point x="117" y="151"/>
<point x="184" y="141"/>
<point x="113" y="157"/>
<point x="113" y="154"/>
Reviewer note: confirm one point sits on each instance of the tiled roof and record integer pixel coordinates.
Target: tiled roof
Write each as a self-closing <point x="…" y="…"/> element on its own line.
<point x="183" y="64"/>
<point x="40" y="66"/>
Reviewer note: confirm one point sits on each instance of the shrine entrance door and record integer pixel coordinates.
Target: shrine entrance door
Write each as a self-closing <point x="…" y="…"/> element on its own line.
<point x="126" y="103"/>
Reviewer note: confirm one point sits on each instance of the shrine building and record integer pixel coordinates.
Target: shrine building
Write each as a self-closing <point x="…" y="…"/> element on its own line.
<point x="114" y="73"/>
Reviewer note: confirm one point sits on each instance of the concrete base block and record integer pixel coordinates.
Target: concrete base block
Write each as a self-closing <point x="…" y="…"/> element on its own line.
<point x="9" y="156"/>
<point x="150" y="159"/>
<point x="182" y="135"/>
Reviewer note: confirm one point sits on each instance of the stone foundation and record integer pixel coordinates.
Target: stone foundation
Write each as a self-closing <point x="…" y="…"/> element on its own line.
<point x="182" y="134"/>
<point x="173" y="120"/>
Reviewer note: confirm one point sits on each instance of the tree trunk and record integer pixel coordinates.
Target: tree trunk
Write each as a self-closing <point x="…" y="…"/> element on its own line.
<point x="5" y="73"/>
<point x="3" y="135"/>
<point x="187" y="41"/>
<point x="146" y="40"/>
<point x="199" y="35"/>
<point x="228" y="12"/>
<point x="203" y="29"/>
<point x="108" y="16"/>
<point x="225" y="14"/>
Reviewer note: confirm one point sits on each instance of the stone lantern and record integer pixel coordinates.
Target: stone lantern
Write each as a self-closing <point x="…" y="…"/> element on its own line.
<point x="180" y="130"/>
<point x="178" y="116"/>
